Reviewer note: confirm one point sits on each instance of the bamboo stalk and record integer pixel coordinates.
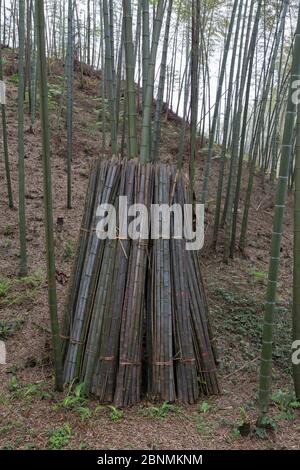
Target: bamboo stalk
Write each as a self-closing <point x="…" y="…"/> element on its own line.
<point x="39" y="5"/>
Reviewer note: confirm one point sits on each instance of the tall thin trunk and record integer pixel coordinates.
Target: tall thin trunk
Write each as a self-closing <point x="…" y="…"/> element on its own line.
<point x="161" y="86"/>
<point x="5" y="140"/>
<point x="129" y="58"/>
<point x="69" y="78"/>
<point x="109" y="77"/>
<point x="147" y="106"/>
<point x="145" y="43"/>
<point x="39" y="8"/>
<point x="286" y="150"/>
<point x="22" y="216"/>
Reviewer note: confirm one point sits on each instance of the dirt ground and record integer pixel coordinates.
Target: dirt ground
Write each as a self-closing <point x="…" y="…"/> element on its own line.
<point x="32" y="415"/>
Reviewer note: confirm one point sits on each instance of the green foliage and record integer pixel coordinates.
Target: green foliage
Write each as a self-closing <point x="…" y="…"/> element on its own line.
<point x="13" y="385"/>
<point x="27" y="391"/>
<point x="286" y="403"/>
<point x="204" y="407"/>
<point x="14" y="79"/>
<point x="35" y="389"/>
<point x="68" y="250"/>
<point x="8" y="446"/>
<point x="201" y="428"/>
<point x="76" y="401"/>
<point x="160" y="412"/>
<point x="242" y="427"/>
<point x="115" y="414"/>
<point x="265" y="425"/>
<point x="19" y="290"/>
<point x="59" y="437"/>
<point x="242" y="318"/>
<point x="259" y="275"/>
<point x="4" y="287"/>
<point x="8" y="229"/>
<point x="9" y="327"/>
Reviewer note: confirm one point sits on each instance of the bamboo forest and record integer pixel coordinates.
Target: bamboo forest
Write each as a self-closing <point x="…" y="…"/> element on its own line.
<point x="149" y="229"/>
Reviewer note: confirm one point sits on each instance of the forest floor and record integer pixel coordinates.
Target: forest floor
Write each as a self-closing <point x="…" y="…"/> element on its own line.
<point x="32" y="415"/>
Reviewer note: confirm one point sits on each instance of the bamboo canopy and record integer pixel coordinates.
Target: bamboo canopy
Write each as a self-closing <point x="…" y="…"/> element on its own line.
<point x="137" y="317"/>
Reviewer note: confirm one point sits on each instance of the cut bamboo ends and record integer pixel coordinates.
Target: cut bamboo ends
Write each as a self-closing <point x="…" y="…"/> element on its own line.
<point x="136" y="321"/>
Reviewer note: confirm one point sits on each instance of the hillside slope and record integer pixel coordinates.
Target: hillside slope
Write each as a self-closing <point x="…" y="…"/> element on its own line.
<point x="31" y="414"/>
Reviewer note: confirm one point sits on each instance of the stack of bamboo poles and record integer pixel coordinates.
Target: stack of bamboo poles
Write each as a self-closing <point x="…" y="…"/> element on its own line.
<point x="137" y="319"/>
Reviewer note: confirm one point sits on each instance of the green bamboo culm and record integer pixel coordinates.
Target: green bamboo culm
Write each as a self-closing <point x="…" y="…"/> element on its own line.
<point x="33" y="82"/>
<point x="194" y="87"/>
<point x="5" y="141"/>
<point x="109" y="69"/>
<point x="147" y="104"/>
<point x="296" y="276"/>
<point x="22" y="216"/>
<point x="40" y="24"/>
<point x="286" y="151"/>
<point x="129" y="59"/>
<point x="69" y="78"/>
<point x="145" y="44"/>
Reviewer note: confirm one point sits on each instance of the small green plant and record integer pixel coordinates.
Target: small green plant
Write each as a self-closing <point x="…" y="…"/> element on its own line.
<point x="29" y="446"/>
<point x="7" y="244"/>
<point x="14" y="79"/>
<point x="162" y="411"/>
<point x="84" y="412"/>
<point x="74" y="397"/>
<point x="35" y="390"/>
<point x="9" y="327"/>
<point x="265" y="425"/>
<point x="201" y="428"/>
<point x="8" y="229"/>
<point x="68" y="250"/>
<point x="20" y="290"/>
<point x="259" y="275"/>
<point x="115" y="414"/>
<point x="4" y="287"/>
<point x="83" y="446"/>
<point x="235" y="433"/>
<point x="8" y="446"/>
<point x="242" y="427"/>
<point x="204" y="407"/>
<point x="76" y="401"/>
<point x="59" y="437"/>
<point x="286" y="403"/>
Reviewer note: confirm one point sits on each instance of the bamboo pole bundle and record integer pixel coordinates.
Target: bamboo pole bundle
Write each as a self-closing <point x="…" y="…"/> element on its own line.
<point x="203" y="342"/>
<point x="86" y="291"/>
<point x="162" y="384"/>
<point x="81" y="252"/>
<point x="185" y="359"/>
<point x="128" y="387"/>
<point x="137" y="318"/>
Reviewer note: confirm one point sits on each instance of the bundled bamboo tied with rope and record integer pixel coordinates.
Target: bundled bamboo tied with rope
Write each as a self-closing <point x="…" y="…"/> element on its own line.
<point x="136" y="321"/>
